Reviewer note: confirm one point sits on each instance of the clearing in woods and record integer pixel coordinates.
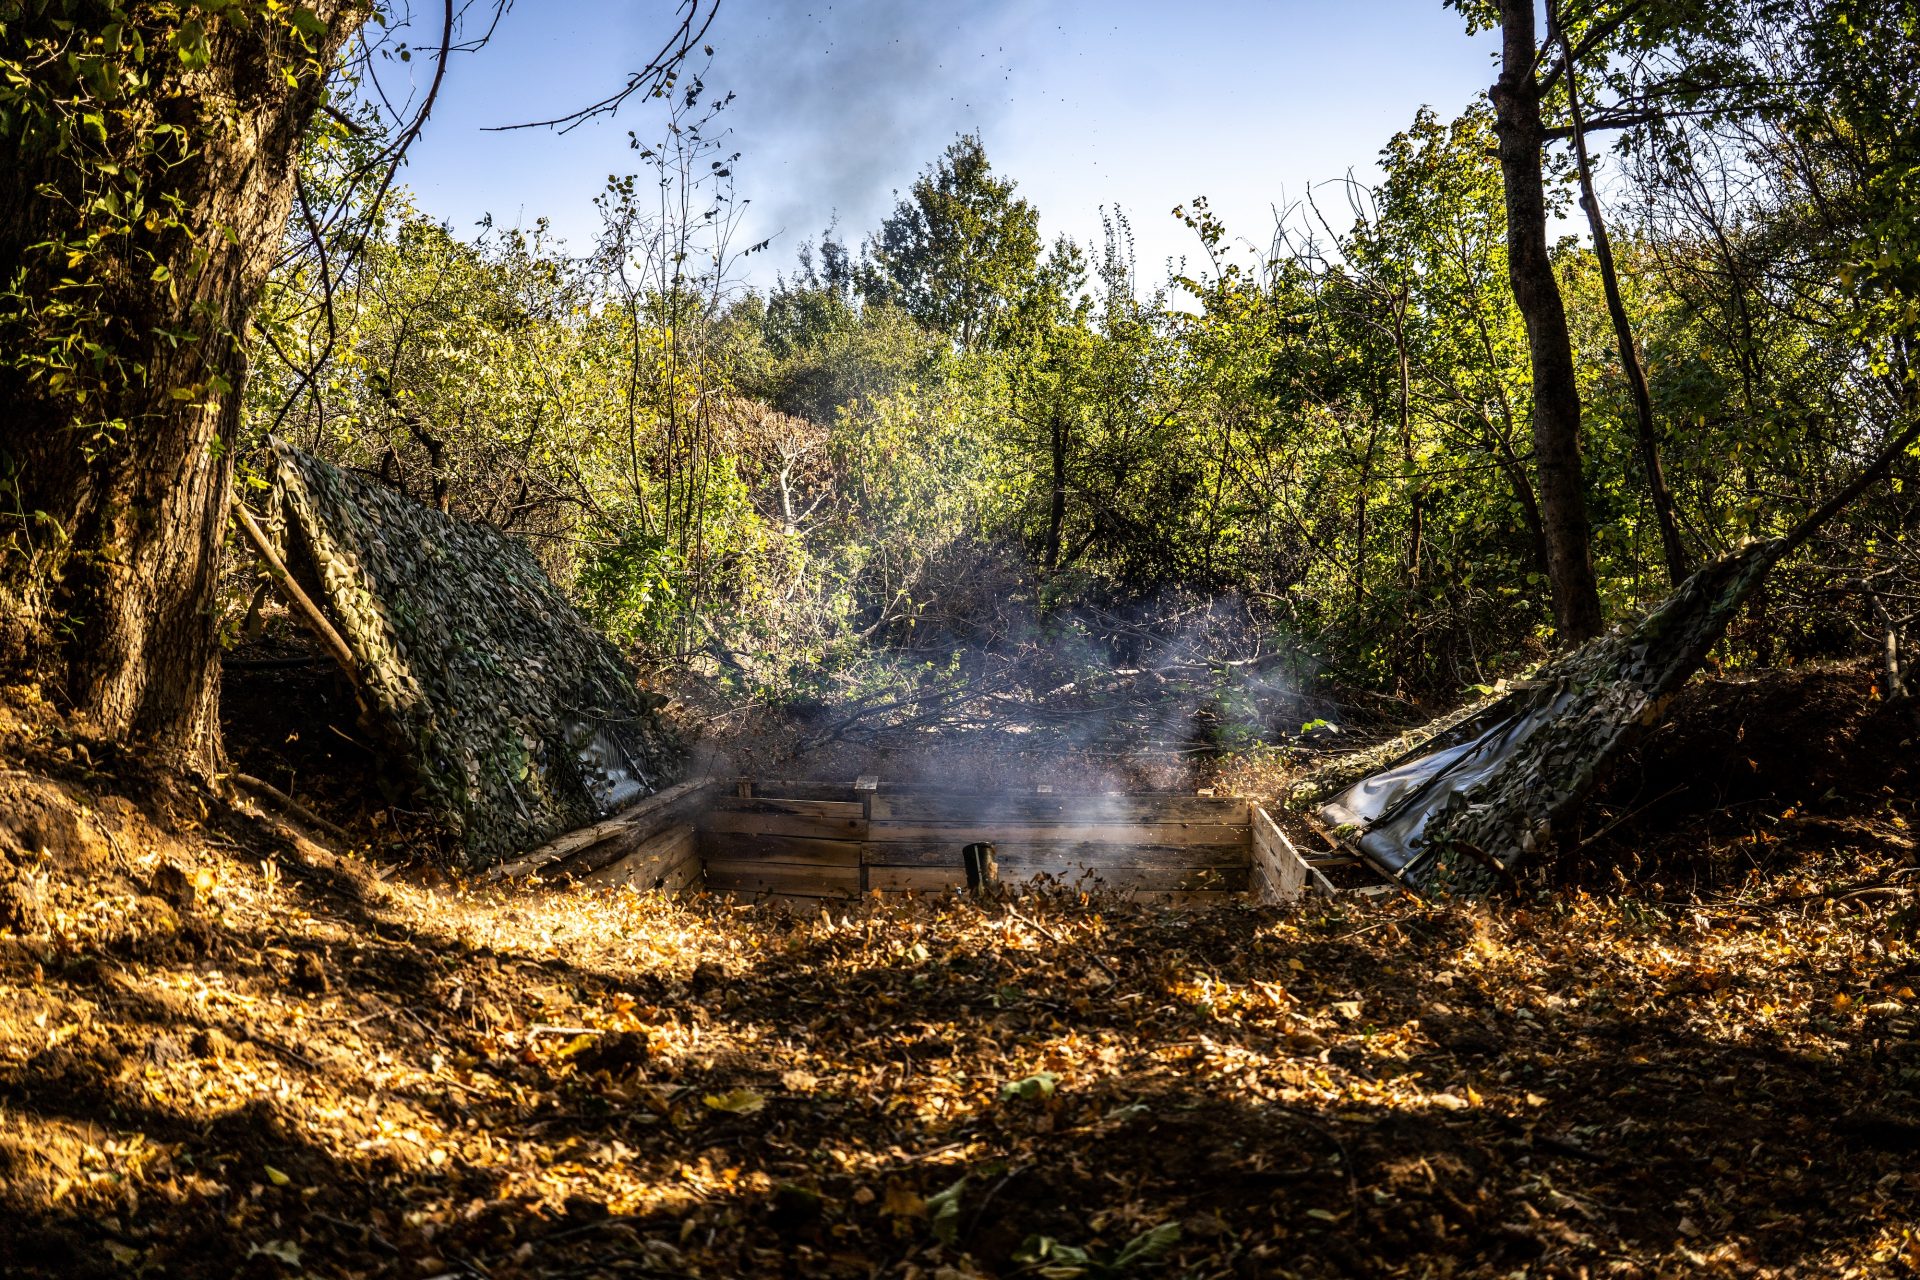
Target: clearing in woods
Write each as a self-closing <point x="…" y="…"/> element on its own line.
<point x="229" y="1051"/>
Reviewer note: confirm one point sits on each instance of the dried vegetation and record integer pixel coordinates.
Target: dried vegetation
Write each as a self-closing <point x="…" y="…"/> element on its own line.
<point x="227" y="1051"/>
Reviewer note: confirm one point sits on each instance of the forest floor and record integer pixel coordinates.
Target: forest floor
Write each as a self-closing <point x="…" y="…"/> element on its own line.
<point x="1689" y="1050"/>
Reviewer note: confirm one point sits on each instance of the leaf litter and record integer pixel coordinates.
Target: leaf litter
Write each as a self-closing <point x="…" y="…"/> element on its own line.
<point x="269" y="1062"/>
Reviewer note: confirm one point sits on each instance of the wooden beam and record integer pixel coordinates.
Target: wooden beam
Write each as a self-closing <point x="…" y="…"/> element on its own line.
<point x="1281" y="874"/>
<point x="302" y="603"/>
<point x="1175" y="834"/>
<point x="627" y="821"/>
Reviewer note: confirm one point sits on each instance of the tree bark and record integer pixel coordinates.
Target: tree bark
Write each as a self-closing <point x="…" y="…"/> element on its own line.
<point x="1057" y="498"/>
<point x="1671" y="546"/>
<point x="1556" y="397"/>
<point x="1416" y="513"/>
<point x="111" y="575"/>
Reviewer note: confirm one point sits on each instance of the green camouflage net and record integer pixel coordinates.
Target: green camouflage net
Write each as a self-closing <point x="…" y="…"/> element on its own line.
<point x="511" y="718"/>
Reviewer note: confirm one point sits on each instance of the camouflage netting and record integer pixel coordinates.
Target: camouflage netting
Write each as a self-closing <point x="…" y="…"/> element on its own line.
<point x="1469" y="804"/>
<point x="511" y="719"/>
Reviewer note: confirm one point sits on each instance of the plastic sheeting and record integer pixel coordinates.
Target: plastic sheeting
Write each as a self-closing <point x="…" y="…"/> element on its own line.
<point x="1462" y="812"/>
<point x="1392" y="809"/>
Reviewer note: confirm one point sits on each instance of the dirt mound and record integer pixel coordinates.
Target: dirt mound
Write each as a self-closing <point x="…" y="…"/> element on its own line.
<point x="1753" y="774"/>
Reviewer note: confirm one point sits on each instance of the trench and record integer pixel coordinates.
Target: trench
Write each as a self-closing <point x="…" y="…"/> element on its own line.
<point x="811" y="843"/>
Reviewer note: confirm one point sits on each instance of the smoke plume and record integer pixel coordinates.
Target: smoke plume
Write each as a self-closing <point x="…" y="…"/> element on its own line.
<point x="841" y="102"/>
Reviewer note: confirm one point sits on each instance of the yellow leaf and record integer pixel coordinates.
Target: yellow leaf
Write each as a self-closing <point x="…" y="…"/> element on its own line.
<point x="902" y="1203"/>
<point x="743" y="1102"/>
<point x="276" y="1177"/>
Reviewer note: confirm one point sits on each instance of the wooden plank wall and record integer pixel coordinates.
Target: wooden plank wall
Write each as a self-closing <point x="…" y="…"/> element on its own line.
<point x="1280" y="874"/>
<point x="652" y="845"/>
<point x="790" y="847"/>
<point x="819" y="841"/>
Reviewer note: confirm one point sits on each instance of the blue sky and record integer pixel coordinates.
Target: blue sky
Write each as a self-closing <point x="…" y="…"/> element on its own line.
<point x="1136" y="104"/>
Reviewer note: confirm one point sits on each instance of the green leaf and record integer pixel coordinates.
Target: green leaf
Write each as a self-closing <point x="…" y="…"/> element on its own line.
<point x="1149" y="1246"/>
<point x="307" y="22"/>
<point x="943" y="1212"/>
<point x="1034" y="1088"/>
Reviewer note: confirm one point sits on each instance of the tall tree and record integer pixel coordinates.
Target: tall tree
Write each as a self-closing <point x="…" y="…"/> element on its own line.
<point x="152" y="154"/>
<point x="1648" y="431"/>
<point x="153" y="147"/>
<point x="1521" y="131"/>
<point x="962" y="253"/>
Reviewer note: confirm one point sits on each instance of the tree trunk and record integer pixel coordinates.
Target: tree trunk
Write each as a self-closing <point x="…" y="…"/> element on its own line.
<point x="1556" y="397"/>
<point x="1671" y="546"/>
<point x="121" y="463"/>
<point x="1416" y="514"/>
<point x="1057" y="499"/>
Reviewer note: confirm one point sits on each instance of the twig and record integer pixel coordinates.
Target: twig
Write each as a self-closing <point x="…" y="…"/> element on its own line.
<point x="302" y="603"/>
<point x="292" y="806"/>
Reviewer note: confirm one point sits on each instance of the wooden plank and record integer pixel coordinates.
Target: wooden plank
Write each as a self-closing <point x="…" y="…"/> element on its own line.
<point x="793" y="849"/>
<point x="1195" y="899"/>
<point x="1227" y="879"/>
<point x="966" y="808"/>
<point x="804" y="789"/>
<point x="628" y="819"/>
<point x="785" y="824"/>
<point x="799" y="903"/>
<point x="1069" y="871"/>
<point x="688" y="876"/>
<point x="776" y="877"/>
<point x="1281" y="874"/>
<point x="783" y="804"/>
<point x="1180" y="834"/>
<point x="936" y="853"/>
<point x="579" y="865"/>
<point x="1199" y="899"/>
<point x="647" y="866"/>
<point x="920" y="879"/>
